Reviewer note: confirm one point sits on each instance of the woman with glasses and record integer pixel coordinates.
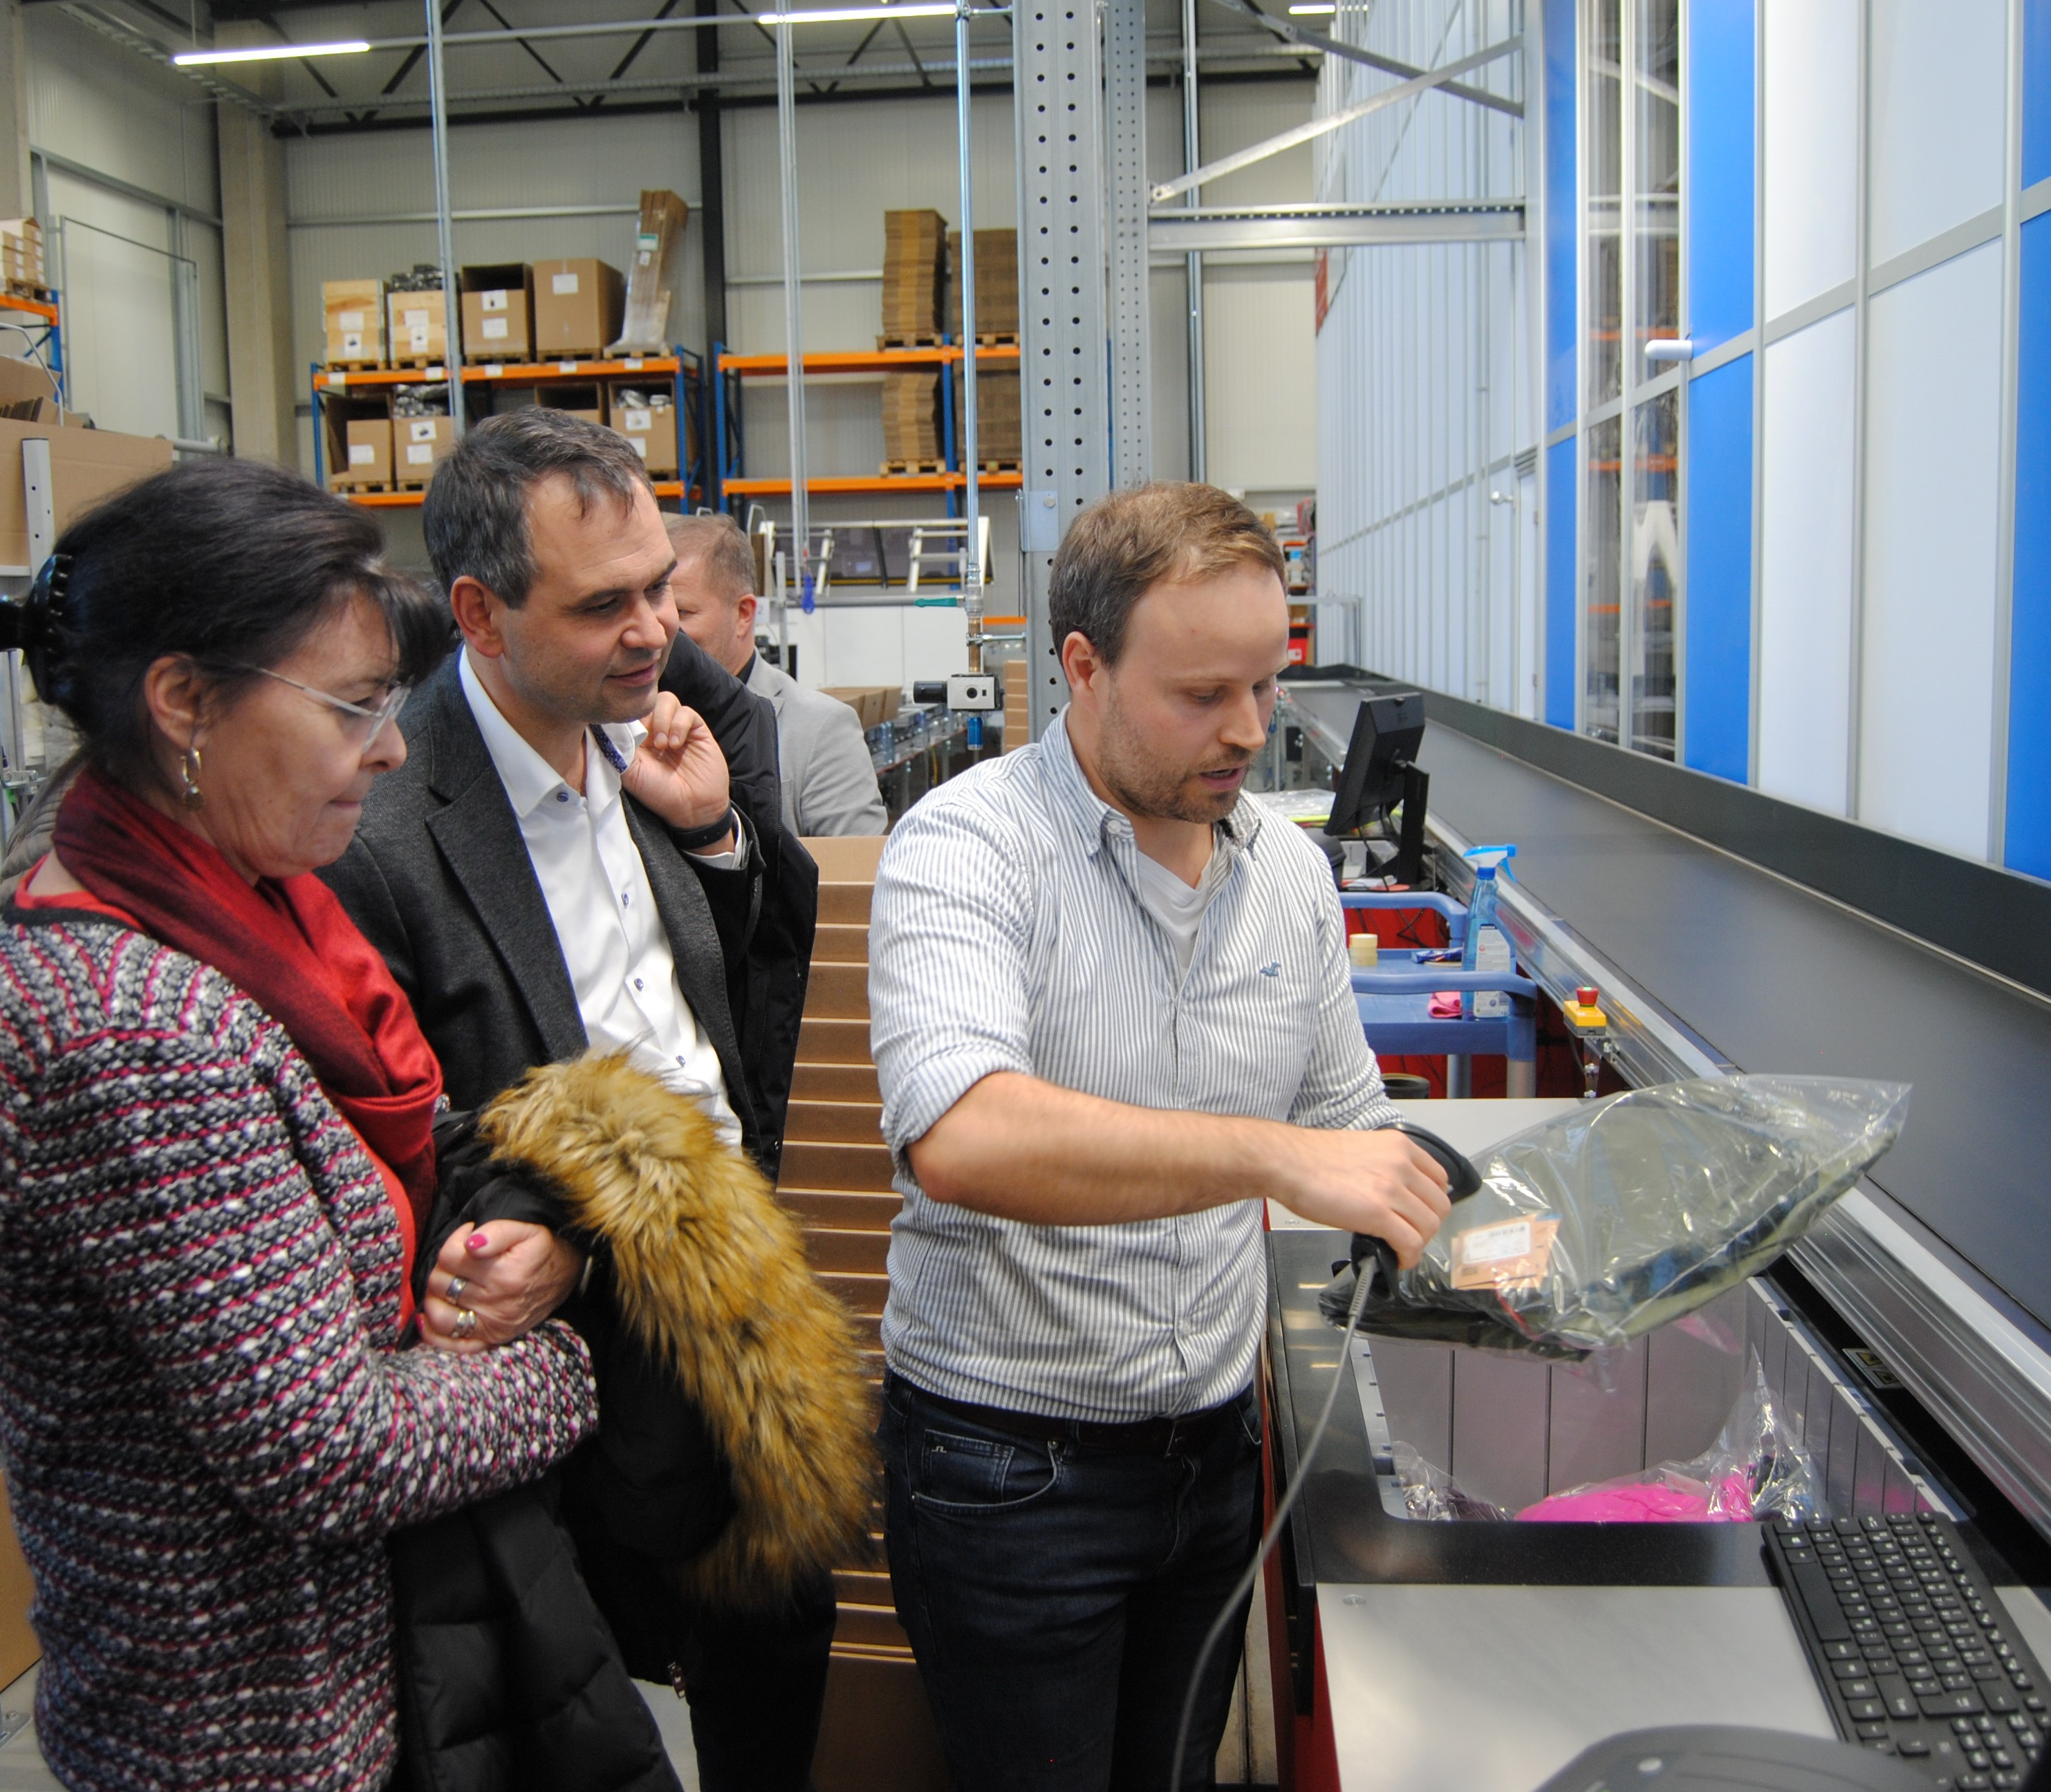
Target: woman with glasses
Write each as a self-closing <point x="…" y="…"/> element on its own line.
<point x="217" y="1153"/>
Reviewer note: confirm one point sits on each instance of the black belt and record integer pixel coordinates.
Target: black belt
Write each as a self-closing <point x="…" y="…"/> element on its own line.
<point x="1191" y="1432"/>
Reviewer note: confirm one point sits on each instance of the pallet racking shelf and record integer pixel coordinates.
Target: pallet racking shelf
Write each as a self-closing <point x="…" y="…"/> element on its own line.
<point x="732" y="368"/>
<point x="684" y="366"/>
<point x="50" y="310"/>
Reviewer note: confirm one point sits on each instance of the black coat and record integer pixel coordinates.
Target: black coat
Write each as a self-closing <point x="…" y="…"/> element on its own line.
<point x="438" y="879"/>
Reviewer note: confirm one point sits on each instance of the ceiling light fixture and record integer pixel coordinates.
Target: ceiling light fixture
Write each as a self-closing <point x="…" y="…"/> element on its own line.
<point x="852" y="15"/>
<point x="1314" y="11"/>
<point x="271" y="52"/>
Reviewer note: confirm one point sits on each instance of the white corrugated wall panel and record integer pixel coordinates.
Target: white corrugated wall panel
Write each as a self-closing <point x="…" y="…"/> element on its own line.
<point x="1811" y="54"/>
<point x="1932" y="515"/>
<point x="120" y="307"/>
<point x="1805" y="648"/>
<point x="105" y="108"/>
<point x="1940" y="109"/>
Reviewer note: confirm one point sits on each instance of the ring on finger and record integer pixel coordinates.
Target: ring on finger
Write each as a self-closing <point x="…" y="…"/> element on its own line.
<point x="465" y="1325"/>
<point x="456" y="1286"/>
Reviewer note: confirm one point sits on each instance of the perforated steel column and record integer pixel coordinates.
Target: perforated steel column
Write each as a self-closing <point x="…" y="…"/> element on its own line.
<point x="1126" y="188"/>
<point x="1058" y="93"/>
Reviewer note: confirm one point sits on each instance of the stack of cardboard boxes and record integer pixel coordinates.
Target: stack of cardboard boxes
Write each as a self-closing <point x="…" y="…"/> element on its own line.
<point x="354" y="314"/>
<point x="416" y="318"/>
<point x="913" y="273"/>
<point x="21" y="257"/>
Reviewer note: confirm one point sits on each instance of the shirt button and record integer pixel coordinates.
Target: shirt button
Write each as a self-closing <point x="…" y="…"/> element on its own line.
<point x="562" y="796"/>
<point x="626" y="896"/>
<point x="637" y="983"/>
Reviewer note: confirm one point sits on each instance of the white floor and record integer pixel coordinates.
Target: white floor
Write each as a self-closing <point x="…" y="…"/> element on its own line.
<point x="22" y="1768"/>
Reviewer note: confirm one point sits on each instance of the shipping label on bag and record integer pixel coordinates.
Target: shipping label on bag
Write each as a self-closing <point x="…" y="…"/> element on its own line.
<point x="1510" y="1253"/>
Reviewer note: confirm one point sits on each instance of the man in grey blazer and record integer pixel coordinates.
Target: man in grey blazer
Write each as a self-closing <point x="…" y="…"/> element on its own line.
<point x="829" y="781"/>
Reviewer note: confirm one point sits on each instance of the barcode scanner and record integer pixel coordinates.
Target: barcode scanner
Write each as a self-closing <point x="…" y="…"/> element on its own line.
<point x="1461" y="1178"/>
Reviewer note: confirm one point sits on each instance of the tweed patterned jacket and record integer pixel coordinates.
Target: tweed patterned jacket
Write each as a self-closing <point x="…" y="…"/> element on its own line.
<point x="206" y="1428"/>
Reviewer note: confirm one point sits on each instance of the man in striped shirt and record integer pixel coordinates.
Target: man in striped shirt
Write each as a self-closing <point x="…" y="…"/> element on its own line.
<point x="1111" y="1012"/>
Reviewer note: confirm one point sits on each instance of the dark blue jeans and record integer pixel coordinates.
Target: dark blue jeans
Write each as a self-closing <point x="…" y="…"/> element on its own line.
<point x="1057" y="1594"/>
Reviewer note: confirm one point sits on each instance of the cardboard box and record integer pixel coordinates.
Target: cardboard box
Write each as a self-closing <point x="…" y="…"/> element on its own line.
<point x="419" y="322"/>
<point x="580" y="399"/>
<point x="418" y="445"/>
<point x="29" y="395"/>
<point x="996" y="283"/>
<point x="365" y="459"/>
<point x="911" y="417"/>
<point x="498" y="312"/>
<point x="353" y="314"/>
<point x="86" y="464"/>
<point x="577" y="308"/>
<point x="874" y="704"/>
<point x="652" y="429"/>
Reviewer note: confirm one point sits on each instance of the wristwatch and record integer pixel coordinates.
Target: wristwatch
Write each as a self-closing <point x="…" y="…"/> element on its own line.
<point x="695" y="840"/>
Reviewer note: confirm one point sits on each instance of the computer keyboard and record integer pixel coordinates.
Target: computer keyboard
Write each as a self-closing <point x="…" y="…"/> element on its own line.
<point x="1914" y="1650"/>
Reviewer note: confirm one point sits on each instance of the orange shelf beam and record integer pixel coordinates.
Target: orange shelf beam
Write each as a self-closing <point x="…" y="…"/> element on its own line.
<point x="515" y="373"/>
<point x="875" y="484"/>
<point x="35" y="306"/>
<point x="413" y="499"/>
<point x="864" y="360"/>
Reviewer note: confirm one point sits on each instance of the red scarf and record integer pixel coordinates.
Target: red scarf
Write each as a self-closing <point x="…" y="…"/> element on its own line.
<point x="288" y="945"/>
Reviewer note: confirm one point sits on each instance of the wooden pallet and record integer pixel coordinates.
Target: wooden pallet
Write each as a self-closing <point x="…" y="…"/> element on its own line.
<point x="363" y="364"/>
<point x="24" y="289"/>
<point x="918" y="340"/>
<point x="997" y="339"/>
<point x="405" y="363"/>
<point x="470" y="360"/>
<point x="1000" y="467"/>
<point x="350" y="487"/>
<point x="914" y="466"/>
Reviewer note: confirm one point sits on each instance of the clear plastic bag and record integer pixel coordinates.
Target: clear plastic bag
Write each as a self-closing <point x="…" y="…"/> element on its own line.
<point x="1757" y="1468"/>
<point x="1429" y="1492"/>
<point x="1602" y="1224"/>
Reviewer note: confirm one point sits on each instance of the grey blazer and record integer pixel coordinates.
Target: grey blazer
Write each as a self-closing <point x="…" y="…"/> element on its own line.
<point x="828" y="782"/>
<point x="438" y="879"/>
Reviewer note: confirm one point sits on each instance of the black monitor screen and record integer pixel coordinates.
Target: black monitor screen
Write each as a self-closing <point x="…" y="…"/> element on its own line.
<point x="1387" y="732"/>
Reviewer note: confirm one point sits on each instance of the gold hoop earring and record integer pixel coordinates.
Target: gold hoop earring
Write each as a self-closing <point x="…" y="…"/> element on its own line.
<point x="189" y="766"/>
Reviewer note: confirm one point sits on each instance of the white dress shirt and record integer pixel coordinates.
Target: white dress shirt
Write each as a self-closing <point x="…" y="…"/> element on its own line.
<point x="599" y="896"/>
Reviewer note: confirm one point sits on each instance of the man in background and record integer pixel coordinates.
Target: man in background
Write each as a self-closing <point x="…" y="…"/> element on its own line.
<point x="828" y="782"/>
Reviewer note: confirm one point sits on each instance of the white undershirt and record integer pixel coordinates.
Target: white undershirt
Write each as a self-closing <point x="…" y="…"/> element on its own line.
<point x="1179" y="907"/>
<point x="612" y="936"/>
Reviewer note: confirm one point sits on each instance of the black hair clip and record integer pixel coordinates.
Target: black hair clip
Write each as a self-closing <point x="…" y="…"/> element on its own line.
<point x="52" y="586"/>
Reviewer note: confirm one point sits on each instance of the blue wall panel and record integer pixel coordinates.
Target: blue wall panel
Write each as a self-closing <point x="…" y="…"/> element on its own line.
<point x="1719" y="590"/>
<point x="1720" y="75"/>
<point x="2028" y="842"/>
<point x="1560" y="513"/>
<point x="1562" y="398"/>
<point x="2036" y="91"/>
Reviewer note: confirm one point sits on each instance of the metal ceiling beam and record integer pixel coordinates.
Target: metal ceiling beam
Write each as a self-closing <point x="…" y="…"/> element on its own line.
<point x="1319" y="126"/>
<point x="1332" y="226"/>
<point x="1318" y="40"/>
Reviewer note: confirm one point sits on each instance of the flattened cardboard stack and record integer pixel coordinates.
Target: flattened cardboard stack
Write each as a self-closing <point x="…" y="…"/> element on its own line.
<point x="996" y="285"/>
<point x="354" y="319"/>
<point x="1017" y="720"/>
<point x="21" y="255"/>
<point x="912" y="273"/>
<point x="912" y="422"/>
<point x="999" y="442"/>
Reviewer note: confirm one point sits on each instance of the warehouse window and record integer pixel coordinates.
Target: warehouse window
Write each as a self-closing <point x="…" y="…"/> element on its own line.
<point x="1631" y="202"/>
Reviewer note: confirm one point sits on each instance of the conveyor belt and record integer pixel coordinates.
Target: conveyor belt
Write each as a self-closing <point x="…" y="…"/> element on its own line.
<point x="1778" y="979"/>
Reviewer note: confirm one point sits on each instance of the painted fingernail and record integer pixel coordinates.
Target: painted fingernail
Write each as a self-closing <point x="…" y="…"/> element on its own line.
<point x="474" y="1242"/>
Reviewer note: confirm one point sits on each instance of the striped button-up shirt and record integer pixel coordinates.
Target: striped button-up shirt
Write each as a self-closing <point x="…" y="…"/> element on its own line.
<point x="1007" y="935"/>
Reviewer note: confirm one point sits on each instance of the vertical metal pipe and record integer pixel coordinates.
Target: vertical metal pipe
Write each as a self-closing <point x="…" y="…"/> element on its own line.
<point x="1194" y="262"/>
<point x="444" y="224"/>
<point x="793" y="334"/>
<point x="972" y="578"/>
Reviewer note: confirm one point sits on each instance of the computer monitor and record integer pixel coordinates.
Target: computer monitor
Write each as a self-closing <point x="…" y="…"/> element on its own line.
<point x="1380" y="771"/>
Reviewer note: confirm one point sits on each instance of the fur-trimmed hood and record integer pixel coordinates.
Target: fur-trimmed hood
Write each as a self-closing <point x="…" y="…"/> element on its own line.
<point x="711" y="1278"/>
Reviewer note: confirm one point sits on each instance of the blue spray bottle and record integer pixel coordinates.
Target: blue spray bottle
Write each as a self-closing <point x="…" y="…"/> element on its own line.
<point x="1487" y="945"/>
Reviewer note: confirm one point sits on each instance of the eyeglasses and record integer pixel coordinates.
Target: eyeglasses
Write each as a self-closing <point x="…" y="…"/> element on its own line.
<point x="363" y="725"/>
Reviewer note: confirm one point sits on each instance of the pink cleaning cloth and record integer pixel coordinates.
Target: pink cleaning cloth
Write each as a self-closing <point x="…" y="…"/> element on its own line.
<point x="1661" y="1500"/>
<point x="1445" y="1005"/>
